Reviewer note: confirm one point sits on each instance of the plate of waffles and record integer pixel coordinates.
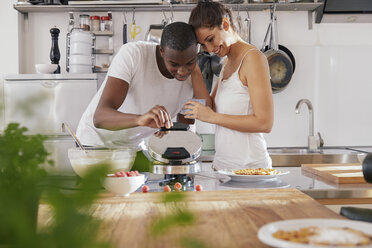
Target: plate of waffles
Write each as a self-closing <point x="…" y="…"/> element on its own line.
<point x="317" y="233"/>
<point x="249" y="175"/>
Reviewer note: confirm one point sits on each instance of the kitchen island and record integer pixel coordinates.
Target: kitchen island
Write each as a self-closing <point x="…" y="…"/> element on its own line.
<point x="225" y="218"/>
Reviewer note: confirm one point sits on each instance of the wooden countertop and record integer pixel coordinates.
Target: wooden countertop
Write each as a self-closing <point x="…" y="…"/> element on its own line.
<point x="222" y="218"/>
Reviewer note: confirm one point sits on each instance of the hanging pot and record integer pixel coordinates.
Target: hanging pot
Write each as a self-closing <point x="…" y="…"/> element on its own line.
<point x="281" y="61"/>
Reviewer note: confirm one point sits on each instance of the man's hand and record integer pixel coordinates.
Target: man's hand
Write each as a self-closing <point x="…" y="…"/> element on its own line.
<point x="156" y="117"/>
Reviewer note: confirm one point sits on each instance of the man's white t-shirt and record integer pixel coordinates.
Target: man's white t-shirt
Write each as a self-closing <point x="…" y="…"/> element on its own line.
<point x="136" y="64"/>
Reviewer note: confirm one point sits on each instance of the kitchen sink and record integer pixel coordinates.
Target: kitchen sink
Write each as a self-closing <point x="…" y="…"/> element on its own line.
<point x="301" y="155"/>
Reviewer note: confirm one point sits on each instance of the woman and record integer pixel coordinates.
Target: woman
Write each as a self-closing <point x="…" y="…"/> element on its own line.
<point x="243" y="104"/>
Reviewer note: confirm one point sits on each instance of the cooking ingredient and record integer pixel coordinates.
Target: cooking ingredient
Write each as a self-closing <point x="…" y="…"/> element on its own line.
<point x="330" y="236"/>
<point x="126" y="174"/>
<point x="106" y="23"/>
<point x="145" y="189"/>
<point x="198" y="187"/>
<point x="177" y="185"/>
<point x="167" y="188"/>
<point x="259" y="171"/>
<point x="94" y="23"/>
<point x="84" y="22"/>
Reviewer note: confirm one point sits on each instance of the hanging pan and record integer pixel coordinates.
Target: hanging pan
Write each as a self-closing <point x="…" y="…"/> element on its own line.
<point x="281" y="61"/>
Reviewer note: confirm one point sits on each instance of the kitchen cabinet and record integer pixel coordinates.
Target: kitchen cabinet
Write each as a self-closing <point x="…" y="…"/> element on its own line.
<point x="42" y="102"/>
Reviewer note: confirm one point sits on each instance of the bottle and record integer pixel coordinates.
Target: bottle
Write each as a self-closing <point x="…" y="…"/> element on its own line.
<point x="106" y="23"/>
<point x="84" y="22"/>
<point x="54" y="51"/>
<point x="94" y="23"/>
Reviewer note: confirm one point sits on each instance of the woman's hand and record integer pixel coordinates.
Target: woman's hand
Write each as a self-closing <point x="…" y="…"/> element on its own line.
<point x="196" y="110"/>
<point x="156" y="117"/>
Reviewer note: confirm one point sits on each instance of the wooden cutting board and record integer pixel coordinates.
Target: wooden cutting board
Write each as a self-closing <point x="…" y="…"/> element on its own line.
<point x="337" y="173"/>
<point x="222" y="218"/>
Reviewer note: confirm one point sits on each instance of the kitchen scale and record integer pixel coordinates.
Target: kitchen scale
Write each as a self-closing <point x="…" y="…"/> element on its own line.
<point x="175" y="154"/>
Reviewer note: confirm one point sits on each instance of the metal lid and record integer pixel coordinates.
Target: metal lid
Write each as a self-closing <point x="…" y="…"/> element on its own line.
<point x="176" y="147"/>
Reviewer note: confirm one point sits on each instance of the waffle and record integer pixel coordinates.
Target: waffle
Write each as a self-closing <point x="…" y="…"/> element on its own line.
<point x="259" y="171"/>
<point x="325" y="236"/>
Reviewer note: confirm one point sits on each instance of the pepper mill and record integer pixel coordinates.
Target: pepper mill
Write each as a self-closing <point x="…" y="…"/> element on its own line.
<point x="54" y="51"/>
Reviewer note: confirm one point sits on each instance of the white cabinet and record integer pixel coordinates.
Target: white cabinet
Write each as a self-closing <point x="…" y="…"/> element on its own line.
<point x="42" y="103"/>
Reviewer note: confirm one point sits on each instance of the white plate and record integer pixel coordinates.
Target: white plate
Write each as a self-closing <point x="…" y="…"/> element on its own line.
<point x="266" y="231"/>
<point x="250" y="178"/>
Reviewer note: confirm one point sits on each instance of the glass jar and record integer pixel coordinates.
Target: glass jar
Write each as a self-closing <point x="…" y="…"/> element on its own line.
<point x="84" y="22"/>
<point x="106" y="23"/>
<point x="94" y="23"/>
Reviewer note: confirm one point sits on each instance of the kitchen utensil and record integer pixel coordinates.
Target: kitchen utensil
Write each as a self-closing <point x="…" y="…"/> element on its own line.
<point x="54" y="51"/>
<point x="125" y="38"/>
<point x="66" y="126"/>
<point x="123" y="186"/>
<point x="176" y="152"/>
<point x="155" y="30"/>
<point x="281" y="66"/>
<point x="336" y="173"/>
<point x="118" y="159"/>
<point x="249" y="24"/>
<point x="134" y="29"/>
<point x="367" y="168"/>
<point x="46" y="68"/>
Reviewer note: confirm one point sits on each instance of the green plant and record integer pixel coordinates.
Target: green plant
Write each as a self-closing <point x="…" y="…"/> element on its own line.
<point x="23" y="182"/>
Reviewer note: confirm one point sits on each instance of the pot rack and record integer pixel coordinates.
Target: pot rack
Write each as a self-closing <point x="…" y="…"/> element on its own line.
<point x="101" y="6"/>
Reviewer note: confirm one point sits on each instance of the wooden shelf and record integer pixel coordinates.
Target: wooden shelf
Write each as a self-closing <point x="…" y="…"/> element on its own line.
<point x="103" y="33"/>
<point x="104" y="51"/>
<point x="27" y="8"/>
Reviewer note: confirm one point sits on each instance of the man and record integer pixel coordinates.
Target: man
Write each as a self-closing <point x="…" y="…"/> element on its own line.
<point x="145" y="87"/>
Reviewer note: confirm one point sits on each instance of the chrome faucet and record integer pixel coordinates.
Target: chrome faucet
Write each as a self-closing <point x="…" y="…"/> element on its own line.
<point x="312" y="142"/>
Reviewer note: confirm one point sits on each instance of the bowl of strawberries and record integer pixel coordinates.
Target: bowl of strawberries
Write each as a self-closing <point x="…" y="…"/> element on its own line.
<point x="123" y="183"/>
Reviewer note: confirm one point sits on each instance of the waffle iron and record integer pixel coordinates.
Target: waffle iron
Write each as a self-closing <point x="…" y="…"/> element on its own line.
<point x="176" y="152"/>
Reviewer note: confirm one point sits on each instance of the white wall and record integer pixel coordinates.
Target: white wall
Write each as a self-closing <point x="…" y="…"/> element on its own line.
<point x="332" y="70"/>
<point x="9" y="55"/>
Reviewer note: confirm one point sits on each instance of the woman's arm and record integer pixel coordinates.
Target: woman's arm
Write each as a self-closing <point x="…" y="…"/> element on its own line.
<point x="199" y="88"/>
<point x="254" y="72"/>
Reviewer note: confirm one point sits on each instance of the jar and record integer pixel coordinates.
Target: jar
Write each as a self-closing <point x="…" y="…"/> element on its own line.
<point x="106" y="23"/>
<point x="94" y="23"/>
<point x="84" y="22"/>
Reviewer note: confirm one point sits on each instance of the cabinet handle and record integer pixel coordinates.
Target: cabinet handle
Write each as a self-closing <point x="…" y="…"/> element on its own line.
<point x="49" y="84"/>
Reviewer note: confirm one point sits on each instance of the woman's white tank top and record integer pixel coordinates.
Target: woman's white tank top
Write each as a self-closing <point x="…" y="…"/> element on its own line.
<point x="234" y="149"/>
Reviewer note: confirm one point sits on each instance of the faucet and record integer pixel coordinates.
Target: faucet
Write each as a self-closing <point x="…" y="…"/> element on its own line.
<point x="312" y="142"/>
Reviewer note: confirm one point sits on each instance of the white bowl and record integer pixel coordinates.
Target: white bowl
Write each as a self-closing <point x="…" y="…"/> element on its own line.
<point x="81" y="36"/>
<point x="120" y="159"/>
<point x="123" y="186"/>
<point x="81" y="48"/>
<point x="46" y="68"/>
<point x="80" y="69"/>
<point x="78" y="59"/>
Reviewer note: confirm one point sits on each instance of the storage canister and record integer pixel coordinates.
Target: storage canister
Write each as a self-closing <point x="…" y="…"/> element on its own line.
<point x="94" y="23"/>
<point x="84" y="22"/>
<point x="106" y="23"/>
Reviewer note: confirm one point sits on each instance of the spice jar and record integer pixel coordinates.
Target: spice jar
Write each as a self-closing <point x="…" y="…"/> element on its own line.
<point x="106" y="23"/>
<point x="94" y="23"/>
<point x="84" y="22"/>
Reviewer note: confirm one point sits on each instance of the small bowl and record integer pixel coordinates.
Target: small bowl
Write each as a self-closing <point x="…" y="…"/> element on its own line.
<point x="123" y="186"/>
<point x="46" y="68"/>
<point x="120" y="159"/>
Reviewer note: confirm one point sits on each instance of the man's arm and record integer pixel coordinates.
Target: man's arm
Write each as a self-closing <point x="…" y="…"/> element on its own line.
<point x="108" y="117"/>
